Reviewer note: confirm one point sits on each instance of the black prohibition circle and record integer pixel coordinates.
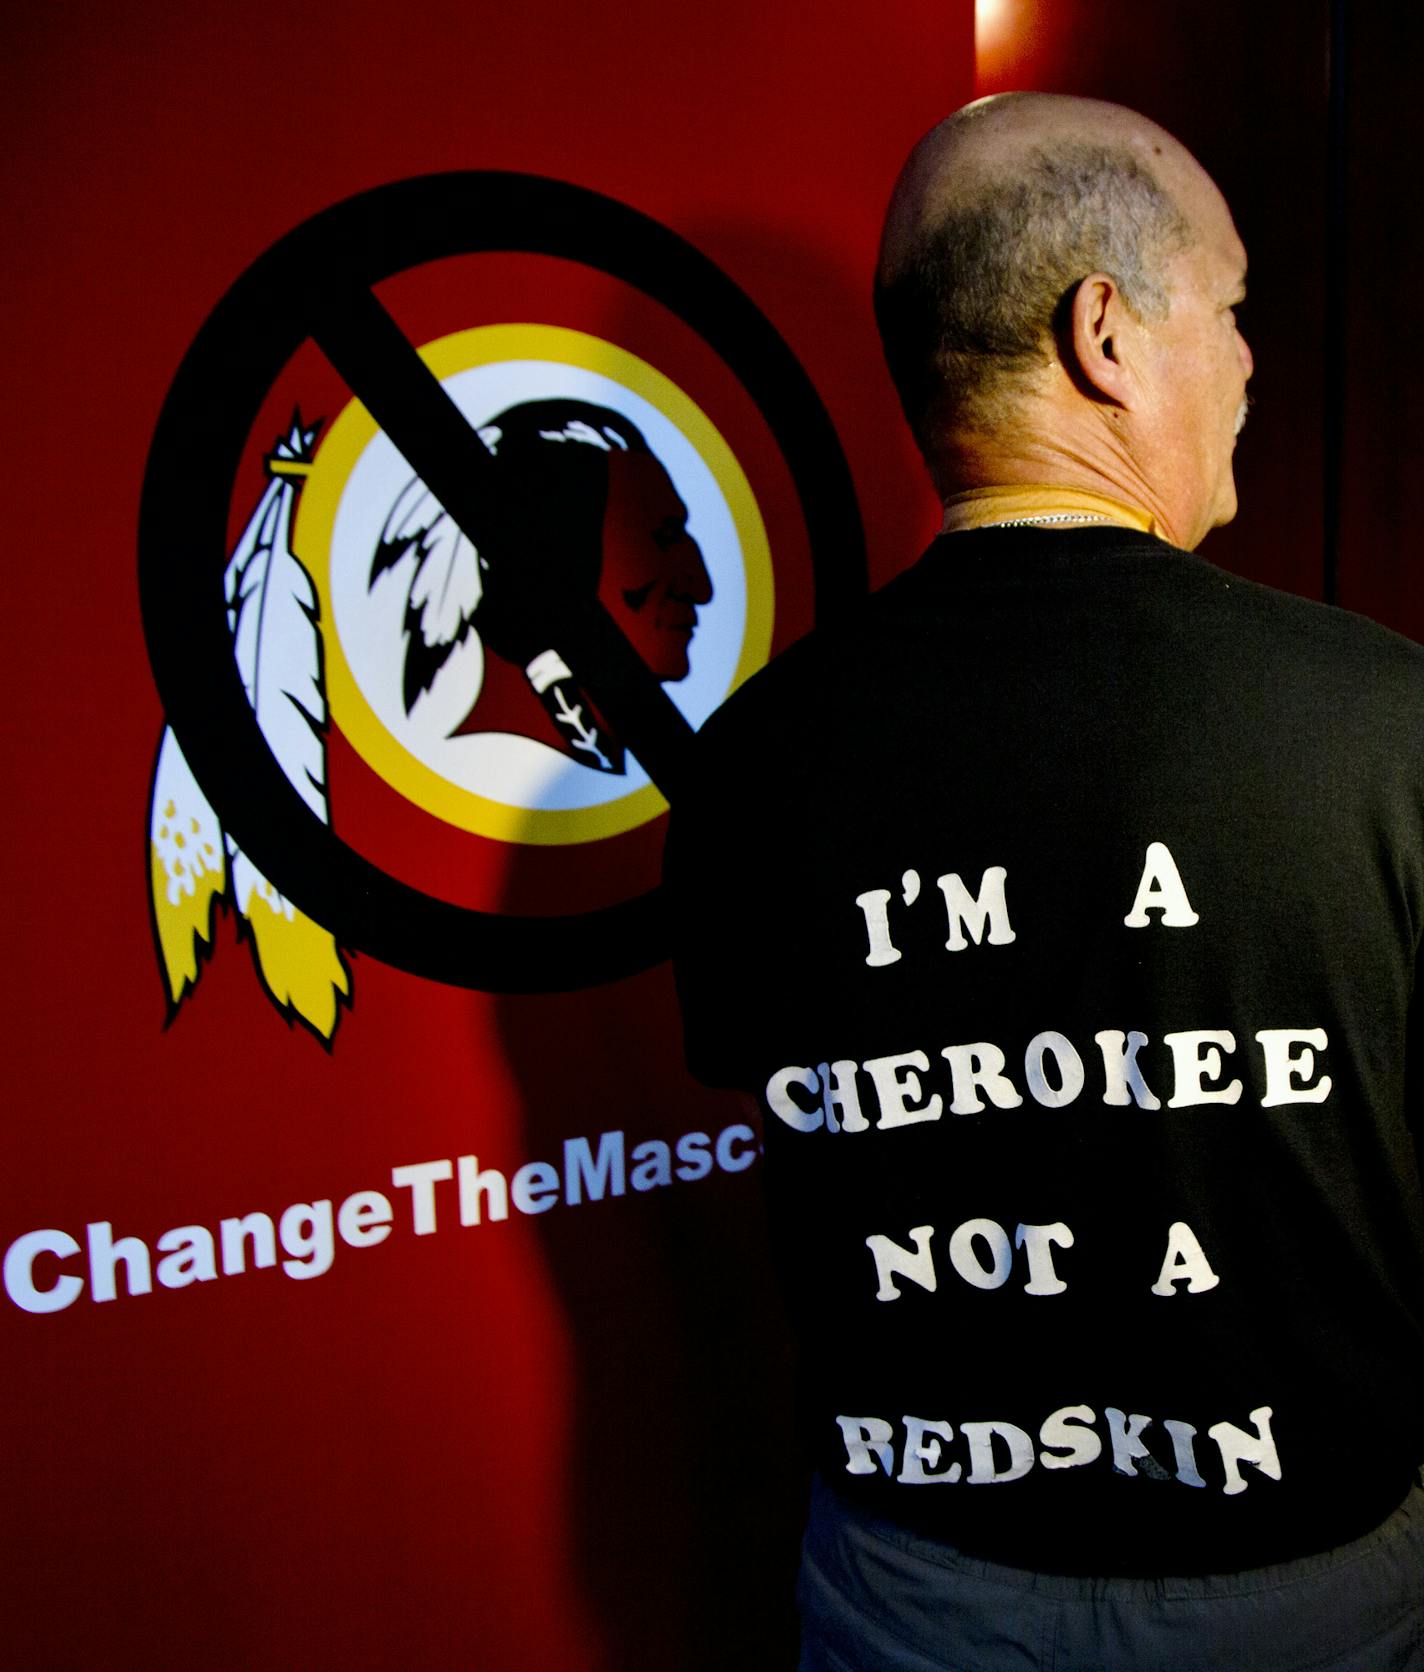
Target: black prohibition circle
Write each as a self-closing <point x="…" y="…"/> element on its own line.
<point x="316" y="283"/>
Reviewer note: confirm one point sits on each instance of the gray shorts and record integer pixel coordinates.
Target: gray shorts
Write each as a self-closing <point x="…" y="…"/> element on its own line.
<point x="875" y="1598"/>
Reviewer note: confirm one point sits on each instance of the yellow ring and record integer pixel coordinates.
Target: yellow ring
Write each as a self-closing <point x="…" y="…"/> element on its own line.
<point x="320" y="498"/>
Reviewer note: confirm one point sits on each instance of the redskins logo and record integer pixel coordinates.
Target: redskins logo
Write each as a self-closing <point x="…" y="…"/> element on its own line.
<point x="433" y="645"/>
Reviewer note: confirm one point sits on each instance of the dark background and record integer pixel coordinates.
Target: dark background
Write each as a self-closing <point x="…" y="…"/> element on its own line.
<point x="1307" y="117"/>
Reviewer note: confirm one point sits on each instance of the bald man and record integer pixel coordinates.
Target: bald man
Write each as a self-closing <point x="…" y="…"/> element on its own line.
<point x="1064" y="915"/>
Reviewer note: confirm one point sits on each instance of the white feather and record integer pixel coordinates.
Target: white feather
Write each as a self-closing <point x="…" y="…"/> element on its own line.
<point x="183" y="827"/>
<point x="445" y="588"/>
<point x="272" y="614"/>
<point x="272" y="610"/>
<point x="248" y="881"/>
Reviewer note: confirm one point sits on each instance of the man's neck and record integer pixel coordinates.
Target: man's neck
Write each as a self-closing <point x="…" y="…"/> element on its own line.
<point x="1077" y="457"/>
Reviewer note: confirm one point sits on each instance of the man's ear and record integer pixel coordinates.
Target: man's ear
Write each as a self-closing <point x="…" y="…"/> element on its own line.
<point x="1102" y="339"/>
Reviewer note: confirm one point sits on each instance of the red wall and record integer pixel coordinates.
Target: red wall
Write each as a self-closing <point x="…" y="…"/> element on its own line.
<point x="559" y="1441"/>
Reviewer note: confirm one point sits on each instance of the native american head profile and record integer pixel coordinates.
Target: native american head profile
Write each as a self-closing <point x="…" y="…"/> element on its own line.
<point x="587" y="509"/>
<point x="458" y="643"/>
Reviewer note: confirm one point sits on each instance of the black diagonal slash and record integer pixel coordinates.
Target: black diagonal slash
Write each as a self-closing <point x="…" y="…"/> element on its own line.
<point x="382" y="368"/>
<point x="318" y="273"/>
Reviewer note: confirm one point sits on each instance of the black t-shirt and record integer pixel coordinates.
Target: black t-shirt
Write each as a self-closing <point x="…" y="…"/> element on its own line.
<point x="1064" y="912"/>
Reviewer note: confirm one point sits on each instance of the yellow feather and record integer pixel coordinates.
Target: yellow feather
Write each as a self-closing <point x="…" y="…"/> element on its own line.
<point x="183" y="912"/>
<point x="301" y="966"/>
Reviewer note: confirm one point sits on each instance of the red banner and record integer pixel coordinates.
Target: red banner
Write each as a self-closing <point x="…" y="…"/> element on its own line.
<point x="379" y="1288"/>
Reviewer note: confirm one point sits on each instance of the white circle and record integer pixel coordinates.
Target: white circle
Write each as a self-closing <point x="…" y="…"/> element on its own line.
<point x="369" y="618"/>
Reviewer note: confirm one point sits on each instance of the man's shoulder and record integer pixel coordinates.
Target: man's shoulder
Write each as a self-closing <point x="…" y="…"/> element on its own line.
<point x="1331" y="622"/>
<point x="1013" y="577"/>
<point x="813" y="674"/>
<point x="1353" y="658"/>
<point x="983" y="616"/>
<point x="831" y="662"/>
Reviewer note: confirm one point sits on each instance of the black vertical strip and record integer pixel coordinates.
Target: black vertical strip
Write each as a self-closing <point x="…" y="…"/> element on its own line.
<point x="1336" y="282"/>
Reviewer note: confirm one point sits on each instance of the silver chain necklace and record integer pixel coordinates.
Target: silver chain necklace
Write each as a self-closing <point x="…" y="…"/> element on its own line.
<point x="1052" y="517"/>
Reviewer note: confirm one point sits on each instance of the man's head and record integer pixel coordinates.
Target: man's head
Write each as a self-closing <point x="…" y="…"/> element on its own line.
<point x="1054" y="295"/>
